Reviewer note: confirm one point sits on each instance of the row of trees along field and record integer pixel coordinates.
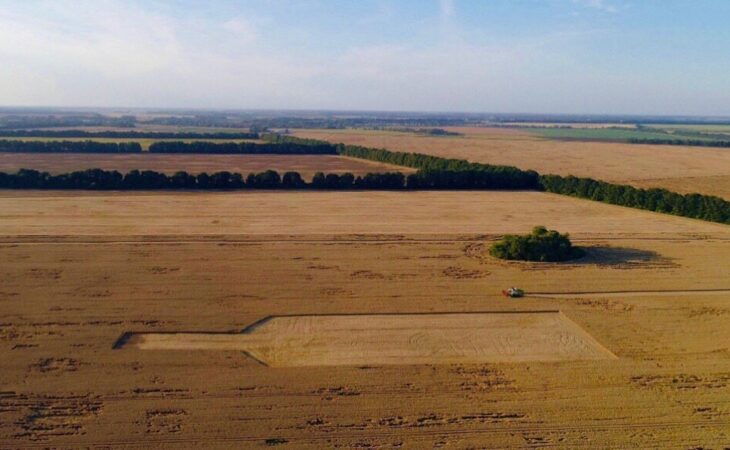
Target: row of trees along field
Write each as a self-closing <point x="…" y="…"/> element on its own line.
<point x="705" y="207"/>
<point x="147" y="179"/>
<point x="688" y="142"/>
<point x="69" y="147"/>
<point x="102" y="179"/>
<point x="285" y="148"/>
<point x="200" y="147"/>
<point x="123" y="134"/>
<point x="434" y="171"/>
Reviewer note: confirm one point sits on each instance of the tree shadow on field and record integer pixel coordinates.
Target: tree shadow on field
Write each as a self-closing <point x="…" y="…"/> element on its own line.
<point x="623" y="258"/>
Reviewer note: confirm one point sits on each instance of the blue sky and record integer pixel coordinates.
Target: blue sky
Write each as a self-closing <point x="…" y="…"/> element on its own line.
<point x="541" y="56"/>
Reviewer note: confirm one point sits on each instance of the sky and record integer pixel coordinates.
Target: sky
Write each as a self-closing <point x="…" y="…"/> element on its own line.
<point x="532" y="56"/>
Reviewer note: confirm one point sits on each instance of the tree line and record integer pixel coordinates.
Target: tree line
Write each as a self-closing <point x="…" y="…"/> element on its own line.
<point x="68" y="147"/>
<point x="688" y="142"/>
<point x="98" y="179"/>
<point x="698" y="206"/>
<point x="16" y="121"/>
<point x="284" y="148"/>
<point x="436" y="172"/>
<point x="199" y="147"/>
<point x="270" y="179"/>
<point x="124" y="134"/>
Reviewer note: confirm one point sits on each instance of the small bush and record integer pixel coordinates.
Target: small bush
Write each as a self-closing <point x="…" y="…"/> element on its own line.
<point x="540" y="245"/>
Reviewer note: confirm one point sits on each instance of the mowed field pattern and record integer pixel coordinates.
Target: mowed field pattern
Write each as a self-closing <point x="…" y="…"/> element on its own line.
<point x="306" y="165"/>
<point x="686" y="169"/>
<point x="361" y="339"/>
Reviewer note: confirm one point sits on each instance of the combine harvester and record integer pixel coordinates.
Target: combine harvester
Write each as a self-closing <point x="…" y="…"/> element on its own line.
<point x="513" y="292"/>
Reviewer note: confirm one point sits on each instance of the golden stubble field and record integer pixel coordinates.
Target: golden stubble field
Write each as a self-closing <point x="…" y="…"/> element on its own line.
<point x="306" y="165"/>
<point x="79" y="271"/>
<point x="682" y="169"/>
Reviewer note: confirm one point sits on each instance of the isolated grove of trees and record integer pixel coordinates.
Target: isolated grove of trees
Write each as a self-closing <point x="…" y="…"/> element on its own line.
<point x="541" y="245"/>
<point x="124" y="134"/>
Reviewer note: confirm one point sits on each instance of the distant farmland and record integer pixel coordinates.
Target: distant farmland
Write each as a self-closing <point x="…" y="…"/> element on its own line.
<point x="306" y="165"/>
<point x="680" y="168"/>
<point x="607" y="134"/>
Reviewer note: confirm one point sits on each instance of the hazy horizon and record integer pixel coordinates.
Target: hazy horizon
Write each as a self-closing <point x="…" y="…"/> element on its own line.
<point x="588" y="57"/>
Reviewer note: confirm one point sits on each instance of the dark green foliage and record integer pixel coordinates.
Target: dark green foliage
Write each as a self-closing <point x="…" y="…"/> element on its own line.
<point x="681" y="141"/>
<point x="541" y="245"/>
<point x="69" y="147"/>
<point x="346" y="181"/>
<point x="269" y="179"/>
<point x="292" y="180"/>
<point x="284" y="148"/>
<point x="705" y="207"/>
<point x="319" y="181"/>
<point x="391" y="180"/>
<point x="463" y="179"/>
<point x="151" y="180"/>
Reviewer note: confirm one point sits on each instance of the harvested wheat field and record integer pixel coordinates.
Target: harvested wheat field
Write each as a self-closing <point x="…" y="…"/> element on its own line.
<point x="356" y="320"/>
<point x="42" y="213"/>
<point x="691" y="169"/>
<point x="306" y="165"/>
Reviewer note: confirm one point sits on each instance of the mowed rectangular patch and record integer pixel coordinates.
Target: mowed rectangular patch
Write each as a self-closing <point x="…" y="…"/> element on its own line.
<point x="359" y="339"/>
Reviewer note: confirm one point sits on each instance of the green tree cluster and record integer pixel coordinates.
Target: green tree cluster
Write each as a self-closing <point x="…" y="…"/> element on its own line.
<point x="541" y="245"/>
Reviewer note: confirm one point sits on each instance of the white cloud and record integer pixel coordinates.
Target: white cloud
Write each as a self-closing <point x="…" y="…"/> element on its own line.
<point x="601" y="5"/>
<point x="447" y="7"/>
<point x="242" y="29"/>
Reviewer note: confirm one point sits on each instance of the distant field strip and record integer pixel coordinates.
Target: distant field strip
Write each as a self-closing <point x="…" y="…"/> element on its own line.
<point x="306" y="165"/>
<point x="438" y="338"/>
